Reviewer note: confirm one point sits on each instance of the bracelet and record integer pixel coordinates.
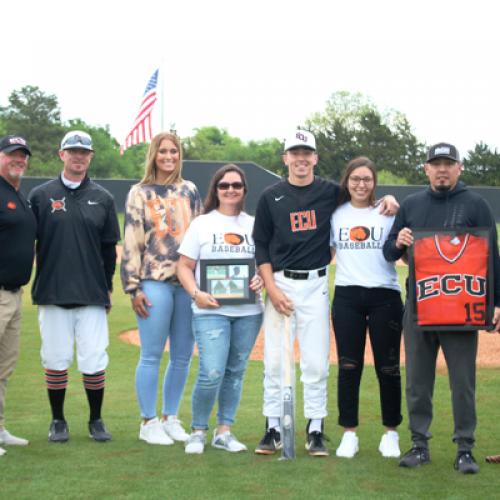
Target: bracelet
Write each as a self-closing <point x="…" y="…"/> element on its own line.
<point x="195" y="293"/>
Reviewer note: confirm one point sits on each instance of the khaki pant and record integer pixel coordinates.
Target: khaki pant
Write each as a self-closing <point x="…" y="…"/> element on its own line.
<point x="10" y="329"/>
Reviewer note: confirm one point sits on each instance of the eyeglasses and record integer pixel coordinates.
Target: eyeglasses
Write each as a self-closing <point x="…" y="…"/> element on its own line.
<point x="357" y="180"/>
<point x="76" y="140"/>
<point x="224" y="186"/>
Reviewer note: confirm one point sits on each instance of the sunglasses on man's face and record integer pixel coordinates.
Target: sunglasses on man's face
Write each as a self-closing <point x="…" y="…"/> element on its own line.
<point x="224" y="186"/>
<point x="76" y="140"/>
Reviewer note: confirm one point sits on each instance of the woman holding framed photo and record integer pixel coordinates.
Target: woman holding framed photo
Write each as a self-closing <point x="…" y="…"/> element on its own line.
<point x="225" y="324"/>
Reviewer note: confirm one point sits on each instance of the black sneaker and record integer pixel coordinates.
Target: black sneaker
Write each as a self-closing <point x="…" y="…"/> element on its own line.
<point x="58" y="431"/>
<point x="98" y="431"/>
<point x="315" y="444"/>
<point x="465" y="463"/>
<point x="270" y="443"/>
<point x="415" y="457"/>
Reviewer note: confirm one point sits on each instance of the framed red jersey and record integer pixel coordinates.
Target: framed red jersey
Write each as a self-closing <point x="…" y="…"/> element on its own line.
<point x="451" y="279"/>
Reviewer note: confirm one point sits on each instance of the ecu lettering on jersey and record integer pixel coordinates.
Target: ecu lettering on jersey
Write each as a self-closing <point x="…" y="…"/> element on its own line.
<point x="451" y="280"/>
<point x="451" y="284"/>
<point x="303" y="221"/>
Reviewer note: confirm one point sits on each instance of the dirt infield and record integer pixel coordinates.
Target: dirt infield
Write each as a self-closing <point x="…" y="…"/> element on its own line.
<point x="488" y="353"/>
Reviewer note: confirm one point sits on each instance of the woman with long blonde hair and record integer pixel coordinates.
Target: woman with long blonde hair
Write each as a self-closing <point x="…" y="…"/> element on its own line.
<point x="158" y="212"/>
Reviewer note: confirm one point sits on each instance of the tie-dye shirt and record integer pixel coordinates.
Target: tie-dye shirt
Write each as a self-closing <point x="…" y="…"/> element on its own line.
<point x="156" y="218"/>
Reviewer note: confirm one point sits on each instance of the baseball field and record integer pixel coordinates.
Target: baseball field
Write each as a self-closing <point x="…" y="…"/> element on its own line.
<point x="129" y="468"/>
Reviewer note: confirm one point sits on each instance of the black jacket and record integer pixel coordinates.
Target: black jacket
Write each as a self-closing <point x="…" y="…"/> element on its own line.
<point x="17" y="237"/>
<point x="457" y="208"/>
<point x="76" y="229"/>
<point x="292" y="225"/>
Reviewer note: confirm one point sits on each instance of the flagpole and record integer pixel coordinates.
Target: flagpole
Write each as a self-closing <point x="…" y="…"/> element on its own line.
<point x="162" y="94"/>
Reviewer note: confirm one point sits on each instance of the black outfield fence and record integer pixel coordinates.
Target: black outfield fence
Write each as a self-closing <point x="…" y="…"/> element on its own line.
<point x="258" y="179"/>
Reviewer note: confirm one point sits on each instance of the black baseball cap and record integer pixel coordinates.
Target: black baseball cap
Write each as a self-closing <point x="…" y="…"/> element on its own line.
<point x="10" y="143"/>
<point x="443" y="150"/>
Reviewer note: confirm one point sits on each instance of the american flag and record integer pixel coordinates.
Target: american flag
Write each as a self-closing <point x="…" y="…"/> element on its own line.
<point x="141" y="130"/>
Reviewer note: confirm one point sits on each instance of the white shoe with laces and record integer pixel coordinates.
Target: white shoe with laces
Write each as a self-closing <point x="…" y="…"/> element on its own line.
<point x="228" y="442"/>
<point x="152" y="432"/>
<point x="7" y="438"/>
<point x="389" y="444"/>
<point x="173" y="428"/>
<point x="195" y="444"/>
<point x="349" y="445"/>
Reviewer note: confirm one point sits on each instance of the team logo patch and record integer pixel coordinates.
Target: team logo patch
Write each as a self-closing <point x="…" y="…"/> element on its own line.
<point x="233" y="238"/>
<point x="57" y="205"/>
<point x="443" y="150"/>
<point x="359" y="233"/>
<point x="11" y="205"/>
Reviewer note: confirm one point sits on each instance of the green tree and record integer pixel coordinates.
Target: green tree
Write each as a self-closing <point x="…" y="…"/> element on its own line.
<point x="36" y="116"/>
<point x="482" y="166"/>
<point x="351" y="126"/>
<point x="214" y="144"/>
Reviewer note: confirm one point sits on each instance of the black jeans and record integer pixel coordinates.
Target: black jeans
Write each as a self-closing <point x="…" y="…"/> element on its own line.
<point x="355" y="309"/>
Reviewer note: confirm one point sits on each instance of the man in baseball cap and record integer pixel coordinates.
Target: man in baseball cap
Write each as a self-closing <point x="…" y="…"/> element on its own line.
<point x="76" y="259"/>
<point x="292" y="250"/>
<point x="17" y="240"/>
<point x="11" y="143"/>
<point x="445" y="204"/>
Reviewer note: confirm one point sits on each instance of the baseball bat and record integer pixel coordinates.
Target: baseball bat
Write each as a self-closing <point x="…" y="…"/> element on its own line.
<point x="287" y="394"/>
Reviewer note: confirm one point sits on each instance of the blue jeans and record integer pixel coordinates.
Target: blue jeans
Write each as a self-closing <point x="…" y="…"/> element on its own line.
<point x="224" y="344"/>
<point x="169" y="317"/>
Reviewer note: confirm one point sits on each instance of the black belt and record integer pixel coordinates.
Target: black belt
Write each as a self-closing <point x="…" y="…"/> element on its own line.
<point x="9" y="288"/>
<point x="303" y="275"/>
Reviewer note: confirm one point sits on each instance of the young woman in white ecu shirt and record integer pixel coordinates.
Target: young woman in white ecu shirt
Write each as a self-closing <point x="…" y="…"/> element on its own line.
<point x="367" y="295"/>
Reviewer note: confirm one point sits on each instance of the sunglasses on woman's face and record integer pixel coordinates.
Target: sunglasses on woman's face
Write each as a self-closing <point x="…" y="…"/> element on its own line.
<point x="224" y="186"/>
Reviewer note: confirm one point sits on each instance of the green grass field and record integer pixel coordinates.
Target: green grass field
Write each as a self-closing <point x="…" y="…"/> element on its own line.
<point x="128" y="468"/>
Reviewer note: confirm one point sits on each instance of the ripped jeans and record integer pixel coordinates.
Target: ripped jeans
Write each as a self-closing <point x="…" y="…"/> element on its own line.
<point x="380" y="310"/>
<point x="224" y="345"/>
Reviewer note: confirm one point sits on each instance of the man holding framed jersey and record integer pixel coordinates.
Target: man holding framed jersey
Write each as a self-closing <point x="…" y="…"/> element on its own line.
<point x="446" y="204"/>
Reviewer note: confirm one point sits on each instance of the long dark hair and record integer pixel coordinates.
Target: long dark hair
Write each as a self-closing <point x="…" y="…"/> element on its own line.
<point x="212" y="201"/>
<point x="360" y="161"/>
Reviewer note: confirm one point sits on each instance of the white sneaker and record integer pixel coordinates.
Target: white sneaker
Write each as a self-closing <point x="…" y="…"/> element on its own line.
<point x="389" y="444"/>
<point x="152" y="432"/>
<point x="7" y="438"/>
<point x="173" y="428"/>
<point x="349" y="445"/>
<point x="195" y="443"/>
<point x="2" y="452"/>
<point x="226" y="441"/>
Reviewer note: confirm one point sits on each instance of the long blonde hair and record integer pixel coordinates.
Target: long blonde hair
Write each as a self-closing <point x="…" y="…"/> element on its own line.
<point x="150" y="164"/>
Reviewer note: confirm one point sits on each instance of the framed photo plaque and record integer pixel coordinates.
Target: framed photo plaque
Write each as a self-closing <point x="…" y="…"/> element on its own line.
<point x="451" y="279"/>
<point x="228" y="280"/>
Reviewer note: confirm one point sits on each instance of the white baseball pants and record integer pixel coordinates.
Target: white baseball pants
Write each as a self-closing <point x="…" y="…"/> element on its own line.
<point x="310" y="324"/>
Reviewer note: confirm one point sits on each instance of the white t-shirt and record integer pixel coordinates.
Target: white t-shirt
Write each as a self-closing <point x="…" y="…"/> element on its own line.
<point x="218" y="236"/>
<point x="358" y="235"/>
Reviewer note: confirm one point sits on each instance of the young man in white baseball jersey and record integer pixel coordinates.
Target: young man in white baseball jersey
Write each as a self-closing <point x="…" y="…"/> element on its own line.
<point x="291" y="233"/>
<point x="76" y="255"/>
